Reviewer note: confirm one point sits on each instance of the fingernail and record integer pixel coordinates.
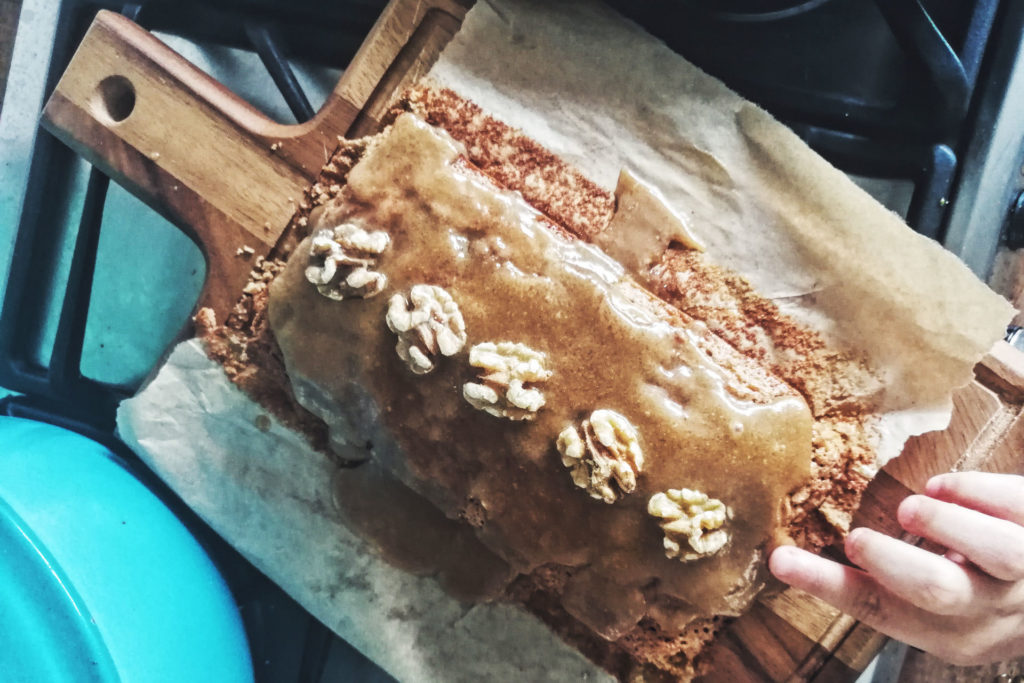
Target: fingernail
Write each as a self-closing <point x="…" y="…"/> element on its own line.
<point x="935" y="485"/>
<point x="853" y="540"/>
<point x="908" y="510"/>
<point x="785" y="561"/>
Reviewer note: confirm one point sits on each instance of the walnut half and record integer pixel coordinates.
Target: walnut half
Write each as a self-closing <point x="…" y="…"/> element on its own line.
<point x="693" y="523"/>
<point x="509" y="369"/>
<point x="341" y="258"/>
<point x="428" y="323"/>
<point x="605" y="449"/>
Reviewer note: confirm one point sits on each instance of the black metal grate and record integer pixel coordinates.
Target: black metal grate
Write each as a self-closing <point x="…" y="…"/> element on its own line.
<point x="318" y="33"/>
<point x="879" y="89"/>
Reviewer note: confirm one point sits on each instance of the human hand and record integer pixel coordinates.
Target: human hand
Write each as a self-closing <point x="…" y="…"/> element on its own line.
<point x="965" y="606"/>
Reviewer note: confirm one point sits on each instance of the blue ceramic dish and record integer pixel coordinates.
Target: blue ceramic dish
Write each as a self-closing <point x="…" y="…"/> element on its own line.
<point x="99" y="581"/>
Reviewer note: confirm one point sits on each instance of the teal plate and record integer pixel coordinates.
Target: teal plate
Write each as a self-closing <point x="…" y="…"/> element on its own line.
<point x="99" y="581"/>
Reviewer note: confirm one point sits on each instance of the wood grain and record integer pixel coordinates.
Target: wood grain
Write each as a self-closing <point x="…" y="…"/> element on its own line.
<point x="1008" y="278"/>
<point x="1008" y="454"/>
<point x="771" y="646"/>
<point x="1001" y="370"/>
<point x="933" y="453"/>
<point x="411" y="63"/>
<point x="207" y="160"/>
<point x="812" y="617"/>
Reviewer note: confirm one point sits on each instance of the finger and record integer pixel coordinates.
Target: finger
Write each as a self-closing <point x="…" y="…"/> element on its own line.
<point x="929" y="581"/>
<point x="958" y="641"/>
<point x="954" y="556"/>
<point x="995" y="545"/>
<point x="999" y="495"/>
<point x="856" y="594"/>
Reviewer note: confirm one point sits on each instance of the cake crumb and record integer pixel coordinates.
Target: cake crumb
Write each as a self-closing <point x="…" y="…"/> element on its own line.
<point x="245" y="347"/>
<point x="205" y="321"/>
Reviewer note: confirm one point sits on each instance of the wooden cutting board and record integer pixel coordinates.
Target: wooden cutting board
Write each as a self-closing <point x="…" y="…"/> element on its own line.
<point x="205" y="159"/>
<point x="231" y="179"/>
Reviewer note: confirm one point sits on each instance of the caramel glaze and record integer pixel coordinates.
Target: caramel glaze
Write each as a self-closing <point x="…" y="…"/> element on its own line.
<point x="415" y="536"/>
<point x="708" y="418"/>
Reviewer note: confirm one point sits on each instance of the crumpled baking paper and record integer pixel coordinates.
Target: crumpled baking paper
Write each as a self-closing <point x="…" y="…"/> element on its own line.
<point x="260" y="486"/>
<point x="604" y="95"/>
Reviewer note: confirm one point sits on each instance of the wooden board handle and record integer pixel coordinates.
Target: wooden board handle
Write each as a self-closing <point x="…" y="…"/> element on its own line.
<point x="182" y="143"/>
<point x="207" y="160"/>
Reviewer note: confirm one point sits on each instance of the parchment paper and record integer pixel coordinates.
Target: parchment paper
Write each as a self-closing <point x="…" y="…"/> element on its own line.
<point x="604" y="95"/>
<point x="270" y="495"/>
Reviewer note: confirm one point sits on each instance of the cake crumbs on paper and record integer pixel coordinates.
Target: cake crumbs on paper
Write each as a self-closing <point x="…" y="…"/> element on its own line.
<point x="244" y="346"/>
<point x="245" y="251"/>
<point x="243" y="343"/>
<point x="205" y="321"/>
<point x="276" y="146"/>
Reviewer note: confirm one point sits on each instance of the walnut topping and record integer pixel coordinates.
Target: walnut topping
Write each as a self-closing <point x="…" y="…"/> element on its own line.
<point x="690" y="517"/>
<point x="341" y="259"/>
<point x="606" y="447"/>
<point x="508" y="370"/>
<point x="427" y="323"/>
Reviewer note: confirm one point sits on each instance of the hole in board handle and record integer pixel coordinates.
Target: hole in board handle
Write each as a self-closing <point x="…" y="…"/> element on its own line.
<point x="116" y="98"/>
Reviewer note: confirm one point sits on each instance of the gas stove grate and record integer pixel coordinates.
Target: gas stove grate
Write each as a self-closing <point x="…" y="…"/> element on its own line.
<point x="909" y="124"/>
<point x="287" y="643"/>
<point x="273" y="32"/>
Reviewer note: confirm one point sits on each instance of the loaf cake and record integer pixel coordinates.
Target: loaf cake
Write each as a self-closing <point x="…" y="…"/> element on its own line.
<point x="552" y="386"/>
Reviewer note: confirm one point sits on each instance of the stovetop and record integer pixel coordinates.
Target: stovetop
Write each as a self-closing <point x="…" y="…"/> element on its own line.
<point x="919" y="101"/>
<point x="110" y="286"/>
<point x="914" y="100"/>
<point x="902" y="91"/>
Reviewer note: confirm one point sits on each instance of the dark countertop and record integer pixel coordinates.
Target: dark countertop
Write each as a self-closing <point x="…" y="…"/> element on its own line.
<point x="9" y="10"/>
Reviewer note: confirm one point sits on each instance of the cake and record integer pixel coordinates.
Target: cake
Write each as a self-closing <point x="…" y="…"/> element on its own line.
<point x="599" y="423"/>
